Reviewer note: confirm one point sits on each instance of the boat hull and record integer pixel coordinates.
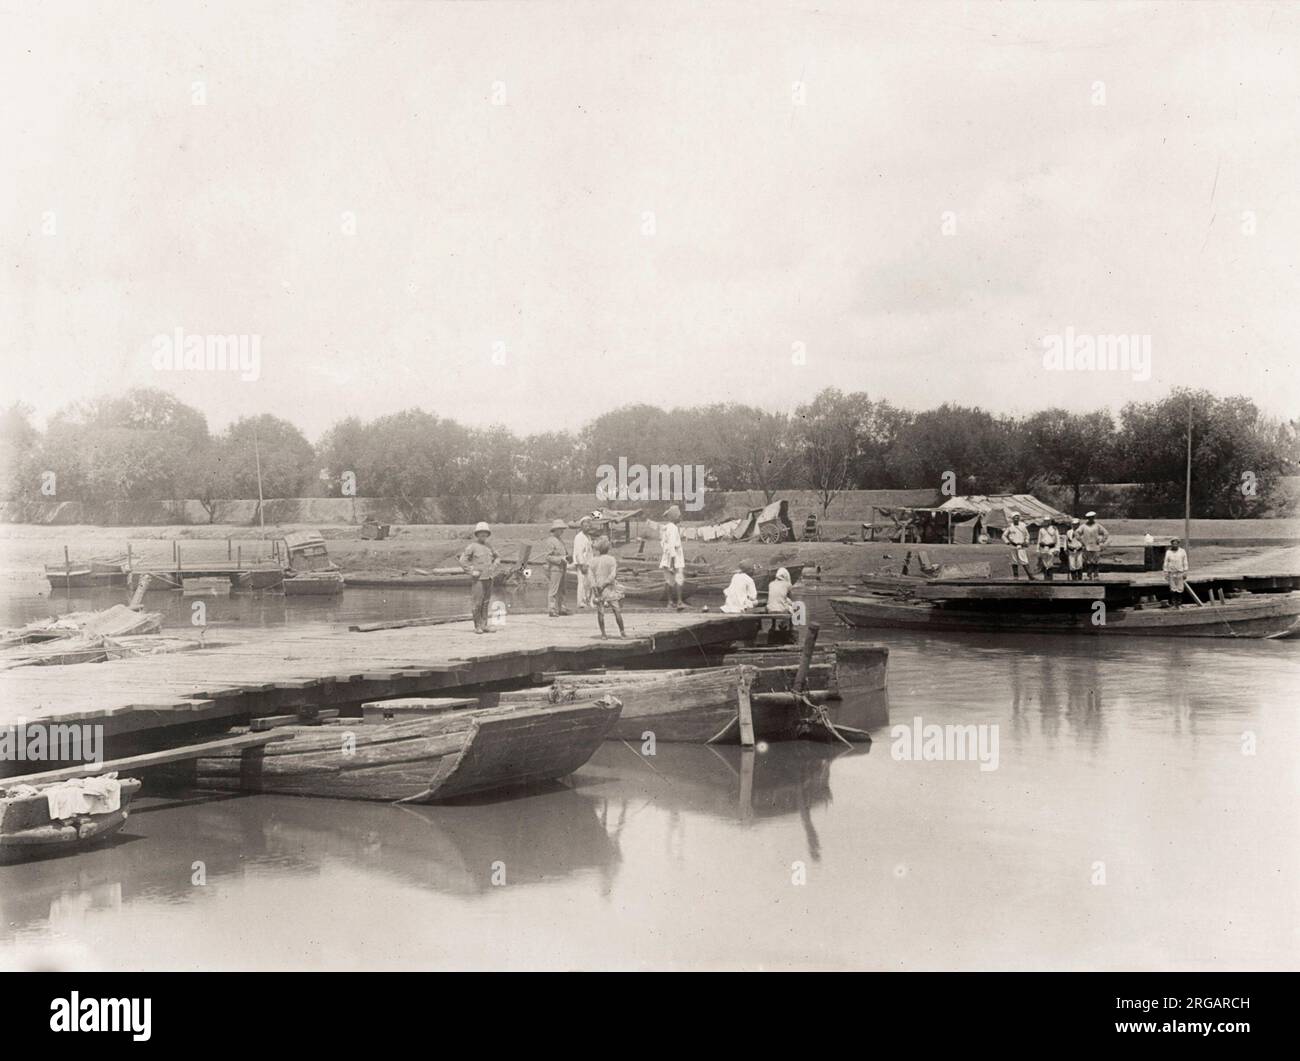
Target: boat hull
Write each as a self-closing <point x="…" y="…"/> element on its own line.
<point x="1257" y="616"/>
<point x="699" y="706"/>
<point x="420" y="760"/>
<point x="316" y="585"/>
<point x="27" y="832"/>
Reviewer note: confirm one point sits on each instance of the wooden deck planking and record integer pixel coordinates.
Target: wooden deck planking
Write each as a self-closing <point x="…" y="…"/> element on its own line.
<point x="232" y="680"/>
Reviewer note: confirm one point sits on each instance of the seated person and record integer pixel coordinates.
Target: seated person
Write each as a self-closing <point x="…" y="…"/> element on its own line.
<point x="778" y="592"/>
<point x="741" y="594"/>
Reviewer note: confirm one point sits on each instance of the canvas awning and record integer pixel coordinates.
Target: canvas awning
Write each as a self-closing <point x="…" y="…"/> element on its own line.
<point x="996" y="509"/>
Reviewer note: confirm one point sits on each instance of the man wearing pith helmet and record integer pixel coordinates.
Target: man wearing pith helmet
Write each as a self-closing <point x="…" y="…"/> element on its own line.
<point x="557" y="560"/>
<point x="479" y="561"/>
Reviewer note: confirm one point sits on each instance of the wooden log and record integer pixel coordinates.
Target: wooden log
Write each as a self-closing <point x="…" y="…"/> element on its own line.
<point x="402" y="624"/>
<point x="143" y="762"/>
<point x="820" y="696"/>
<point x="805" y="656"/>
<point x="745" y="708"/>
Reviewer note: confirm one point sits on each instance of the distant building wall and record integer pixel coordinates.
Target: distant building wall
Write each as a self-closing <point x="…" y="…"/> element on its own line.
<point x="1116" y="500"/>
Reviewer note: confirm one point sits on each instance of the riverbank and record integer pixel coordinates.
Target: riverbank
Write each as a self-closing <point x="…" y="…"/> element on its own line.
<point x="25" y="549"/>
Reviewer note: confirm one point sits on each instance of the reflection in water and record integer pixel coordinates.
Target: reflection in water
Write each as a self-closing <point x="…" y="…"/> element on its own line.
<point x="725" y="781"/>
<point x="1131" y="754"/>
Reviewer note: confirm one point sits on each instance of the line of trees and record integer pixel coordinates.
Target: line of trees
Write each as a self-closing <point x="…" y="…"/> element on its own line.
<point x="147" y="445"/>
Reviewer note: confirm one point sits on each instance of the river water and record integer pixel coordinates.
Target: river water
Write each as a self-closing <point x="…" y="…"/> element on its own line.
<point x="1141" y="812"/>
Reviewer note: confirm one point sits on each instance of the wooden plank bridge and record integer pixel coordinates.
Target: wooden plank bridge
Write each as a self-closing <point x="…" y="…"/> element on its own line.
<point x="146" y="696"/>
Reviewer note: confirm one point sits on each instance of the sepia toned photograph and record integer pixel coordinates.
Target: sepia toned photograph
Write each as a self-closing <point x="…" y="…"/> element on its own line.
<point x="675" y="487"/>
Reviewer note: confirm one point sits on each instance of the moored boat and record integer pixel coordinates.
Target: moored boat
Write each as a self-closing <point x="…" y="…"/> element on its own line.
<point x="312" y="583"/>
<point x="29" y="828"/>
<point x="82" y="574"/>
<point x="703" y="705"/>
<point x="1249" y="615"/>
<point x="419" y="751"/>
<point x="308" y="569"/>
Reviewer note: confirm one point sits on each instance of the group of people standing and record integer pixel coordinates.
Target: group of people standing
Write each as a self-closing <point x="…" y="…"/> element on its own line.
<point x="597" y="570"/>
<point x="1079" y="548"/>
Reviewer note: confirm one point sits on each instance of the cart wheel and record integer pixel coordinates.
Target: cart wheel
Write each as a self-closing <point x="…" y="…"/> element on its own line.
<point x="770" y="537"/>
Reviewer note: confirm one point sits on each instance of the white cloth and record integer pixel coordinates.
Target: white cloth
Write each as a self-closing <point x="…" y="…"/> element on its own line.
<point x="778" y="593"/>
<point x="584" y="555"/>
<point x="741" y="593"/>
<point x="84" y="795"/>
<point x="1176" y="561"/>
<point x="670" y="544"/>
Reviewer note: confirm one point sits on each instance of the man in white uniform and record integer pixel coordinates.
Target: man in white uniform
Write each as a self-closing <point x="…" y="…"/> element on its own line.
<point x="583" y="557"/>
<point x="1017" y="537"/>
<point x="1049" y="544"/>
<point x="1094" y="536"/>
<point x="1176" y="566"/>
<point x="672" y="559"/>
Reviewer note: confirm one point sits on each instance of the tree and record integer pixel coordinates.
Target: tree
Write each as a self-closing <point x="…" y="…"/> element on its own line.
<point x="967" y="448"/>
<point x="828" y="430"/>
<point x="1236" y="459"/>
<point x="341" y="450"/>
<point x="413" y="455"/>
<point x="19" y="444"/>
<point x="550" y="463"/>
<point x="1071" y="448"/>
<point x="746" y="448"/>
<point x="285" y="457"/>
<point x="136" y="446"/>
<point x="209" y="477"/>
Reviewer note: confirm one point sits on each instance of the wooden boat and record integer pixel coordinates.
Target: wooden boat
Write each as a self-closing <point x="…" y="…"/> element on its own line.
<point x="27" y="831"/>
<point x="511" y="573"/>
<point x="261" y="578"/>
<point x="702" y="705"/>
<point x="312" y="583"/>
<point x="83" y="574"/>
<point x="308" y="569"/>
<point x="1251" y="615"/>
<point x="418" y="751"/>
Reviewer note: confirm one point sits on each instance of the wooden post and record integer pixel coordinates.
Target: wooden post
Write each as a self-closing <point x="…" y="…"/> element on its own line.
<point x="805" y="657"/>
<point x="67" y="564"/>
<point x="227" y="549"/>
<point x="129" y="562"/>
<point x="745" y="708"/>
<point x="250" y="768"/>
<point x="239" y="557"/>
<point x="1187" y="496"/>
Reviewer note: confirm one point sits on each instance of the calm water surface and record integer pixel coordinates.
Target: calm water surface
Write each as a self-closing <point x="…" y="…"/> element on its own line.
<point x="1126" y="825"/>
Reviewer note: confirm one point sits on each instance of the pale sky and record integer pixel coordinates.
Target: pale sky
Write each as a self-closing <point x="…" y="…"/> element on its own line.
<point x="501" y="161"/>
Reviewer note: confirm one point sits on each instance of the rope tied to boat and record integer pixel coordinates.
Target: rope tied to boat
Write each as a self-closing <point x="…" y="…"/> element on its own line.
<point x="819" y="715"/>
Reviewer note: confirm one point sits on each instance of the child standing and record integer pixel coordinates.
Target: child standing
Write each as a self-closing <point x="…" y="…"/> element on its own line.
<point x="606" y="592"/>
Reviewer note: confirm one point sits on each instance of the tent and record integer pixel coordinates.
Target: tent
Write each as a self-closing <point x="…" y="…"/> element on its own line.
<point x="991" y="512"/>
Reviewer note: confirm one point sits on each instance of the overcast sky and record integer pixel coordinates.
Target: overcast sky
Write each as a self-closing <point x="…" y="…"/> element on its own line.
<point x="502" y="161"/>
